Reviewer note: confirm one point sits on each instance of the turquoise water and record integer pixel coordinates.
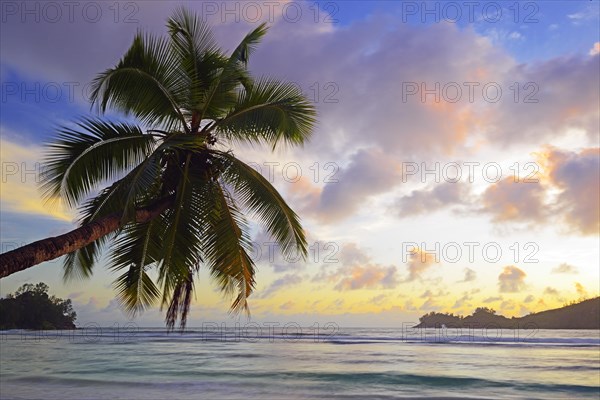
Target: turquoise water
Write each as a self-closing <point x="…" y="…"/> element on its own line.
<point x="351" y="363"/>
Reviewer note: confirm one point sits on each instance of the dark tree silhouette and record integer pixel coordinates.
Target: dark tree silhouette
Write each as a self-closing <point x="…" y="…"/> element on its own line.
<point x="30" y="307"/>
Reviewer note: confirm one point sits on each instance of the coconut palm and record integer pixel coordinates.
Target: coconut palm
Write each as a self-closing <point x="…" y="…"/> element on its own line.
<point x="177" y="197"/>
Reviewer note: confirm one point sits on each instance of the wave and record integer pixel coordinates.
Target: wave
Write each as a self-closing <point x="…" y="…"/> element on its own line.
<point x="363" y="378"/>
<point x="434" y="337"/>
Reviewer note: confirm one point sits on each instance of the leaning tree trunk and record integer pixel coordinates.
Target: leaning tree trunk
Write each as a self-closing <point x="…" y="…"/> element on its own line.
<point x="54" y="247"/>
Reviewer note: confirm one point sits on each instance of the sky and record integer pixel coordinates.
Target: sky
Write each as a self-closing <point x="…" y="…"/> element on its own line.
<point x="456" y="161"/>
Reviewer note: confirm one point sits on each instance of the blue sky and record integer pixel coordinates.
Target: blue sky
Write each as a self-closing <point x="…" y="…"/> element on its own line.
<point x="545" y="28"/>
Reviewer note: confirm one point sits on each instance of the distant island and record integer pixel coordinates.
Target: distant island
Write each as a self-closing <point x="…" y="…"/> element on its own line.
<point x="30" y="307"/>
<point x="582" y="315"/>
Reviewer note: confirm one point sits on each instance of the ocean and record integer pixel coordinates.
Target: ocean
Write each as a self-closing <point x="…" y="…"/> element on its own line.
<point x="294" y="363"/>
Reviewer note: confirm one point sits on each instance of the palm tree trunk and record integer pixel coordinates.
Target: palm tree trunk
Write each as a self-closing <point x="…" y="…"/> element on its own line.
<point x="51" y="248"/>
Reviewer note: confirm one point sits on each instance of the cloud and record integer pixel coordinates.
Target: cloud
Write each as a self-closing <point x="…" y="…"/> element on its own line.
<point x="430" y="305"/>
<point x="470" y="275"/>
<point x="419" y="262"/>
<point x="357" y="63"/>
<point x="436" y="53"/>
<point x="508" y="305"/>
<point x="515" y="35"/>
<point x="528" y="299"/>
<point x="589" y="12"/>
<point x="304" y="195"/>
<point x="410" y="306"/>
<point x="492" y="299"/>
<point x="368" y="277"/>
<point x="429" y="200"/>
<point x="358" y="271"/>
<point x="580" y="289"/>
<point x="75" y="295"/>
<point x="510" y="201"/>
<point x="554" y="103"/>
<point x="463" y="301"/>
<point x="392" y="125"/>
<point x="266" y="251"/>
<point x="577" y="175"/>
<point x="104" y="312"/>
<point x="369" y="172"/>
<point x="550" y="291"/>
<point x="74" y="32"/>
<point x="337" y="305"/>
<point x="595" y="50"/>
<point x="21" y="169"/>
<point x="429" y="293"/>
<point x="511" y="280"/>
<point x="542" y="303"/>
<point x="394" y="130"/>
<point x="565" y="268"/>
<point x="280" y="283"/>
<point x="379" y="299"/>
<point x="352" y="254"/>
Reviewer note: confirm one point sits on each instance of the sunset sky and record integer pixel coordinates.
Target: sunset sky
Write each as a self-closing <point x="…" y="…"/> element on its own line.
<point x="455" y="164"/>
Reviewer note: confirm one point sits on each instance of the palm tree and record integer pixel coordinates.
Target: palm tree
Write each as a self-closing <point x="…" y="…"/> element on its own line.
<point x="179" y="197"/>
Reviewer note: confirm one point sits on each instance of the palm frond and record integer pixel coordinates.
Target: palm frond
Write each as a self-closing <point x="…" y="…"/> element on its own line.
<point x="261" y="199"/>
<point x="226" y="248"/>
<point x="80" y="263"/>
<point x="145" y="83"/>
<point x="181" y="300"/>
<point x="269" y="111"/>
<point x="181" y="235"/>
<point x="222" y="94"/>
<point x="98" y="151"/>
<point x="190" y="34"/>
<point x="143" y="183"/>
<point x="134" y="190"/>
<point x="136" y="249"/>
<point x="247" y="46"/>
<point x="197" y="56"/>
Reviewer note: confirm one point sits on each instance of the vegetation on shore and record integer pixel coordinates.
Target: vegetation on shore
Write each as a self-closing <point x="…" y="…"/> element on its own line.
<point x="30" y="307"/>
<point x="581" y="315"/>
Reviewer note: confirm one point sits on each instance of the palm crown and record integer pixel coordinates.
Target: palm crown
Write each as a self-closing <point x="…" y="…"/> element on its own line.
<point x="193" y="101"/>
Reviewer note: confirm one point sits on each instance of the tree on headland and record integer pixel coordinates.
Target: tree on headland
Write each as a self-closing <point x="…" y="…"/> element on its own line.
<point x="176" y="198"/>
<point x="30" y="307"/>
<point x="582" y="314"/>
<point x="485" y="310"/>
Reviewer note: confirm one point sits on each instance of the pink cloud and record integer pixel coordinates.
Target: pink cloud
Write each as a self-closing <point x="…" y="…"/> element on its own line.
<point x="511" y="280"/>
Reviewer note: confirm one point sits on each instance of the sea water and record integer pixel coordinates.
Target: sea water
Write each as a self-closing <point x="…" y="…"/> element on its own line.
<point x="350" y="363"/>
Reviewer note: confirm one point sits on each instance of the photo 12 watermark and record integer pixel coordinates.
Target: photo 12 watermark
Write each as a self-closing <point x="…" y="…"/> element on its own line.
<point x="45" y="92"/>
<point x="454" y="252"/>
<point x="18" y="91"/>
<point x="317" y="252"/>
<point x="491" y="12"/>
<point x="469" y="333"/>
<point x="277" y="332"/>
<point x="54" y="12"/>
<point x="293" y="172"/>
<point x="469" y="172"/>
<point x="469" y="91"/>
<point x="274" y="171"/>
<point x="325" y="12"/>
<point x="269" y="332"/>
